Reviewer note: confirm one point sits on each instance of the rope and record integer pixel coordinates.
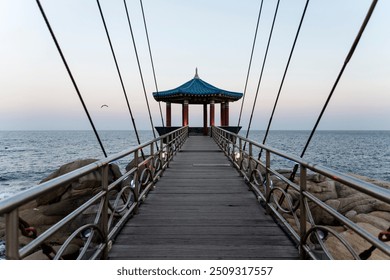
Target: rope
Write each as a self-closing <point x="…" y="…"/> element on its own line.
<point x="71" y="76"/>
<point x="347" y="59"/>
<point x="284" y="74"/>
<point x="119" y="74"/>
<point x="151" y="59"/>
<point x="140" y="71"/>
<point x="262" y="70"/>
<point x="250" y="63"/>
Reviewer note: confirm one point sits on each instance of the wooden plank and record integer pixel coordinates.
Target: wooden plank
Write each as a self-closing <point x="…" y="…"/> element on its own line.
<point x="207" y="252"/>
<point x="202" y="209"/>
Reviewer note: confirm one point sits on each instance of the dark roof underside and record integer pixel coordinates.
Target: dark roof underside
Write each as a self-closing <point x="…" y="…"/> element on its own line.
<point x="196" y="91"/>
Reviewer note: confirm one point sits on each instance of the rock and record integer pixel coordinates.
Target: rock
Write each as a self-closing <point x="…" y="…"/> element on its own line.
<point x="324" y="191"/>
<point x="71" y="252"/>
<point x="359" y="202"/>
<point x="321" y="216"/>
<point x="85" y="185"/>
<point x="351" y="214"/>
<point x="382" y="214"/>
<point x="51" y="208"/>
<point x="344" y="191"/>
<point x="382" y="206"/>
<point x="316" y="178"/>
<point x="377" y="222"/>
<point x="2" y="227"/>
<point x="357" y="243"/>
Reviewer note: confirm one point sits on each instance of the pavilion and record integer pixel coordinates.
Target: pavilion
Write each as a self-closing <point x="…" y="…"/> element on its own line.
<point x="197" y="91"/>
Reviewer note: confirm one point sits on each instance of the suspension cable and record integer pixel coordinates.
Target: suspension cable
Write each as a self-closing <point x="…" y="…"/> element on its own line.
<point x="119" y="73"/>
<point x="151" y="59"/>
<point x="347" y="59"/>
<point x="140" y="70"/>
<point x="262" y="70"/>
<point x="71" y="76"/>
<point x="250" y="63"/>
<point x="284" y="74"/>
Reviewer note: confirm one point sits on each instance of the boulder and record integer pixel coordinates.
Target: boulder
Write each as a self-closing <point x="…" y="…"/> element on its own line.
<point x="357" y="243"/>
<point x="316" y="178"/>
<point x="71" y="252"/>
<point x="344" y="191"/>
<point x="324" y="190"/>
<point x="382" y="206"/>
<point x="359" y="202"/>
<point x="382" y="214"/>
<point x="85" y="185"/>
<point x="377" y="222"/>
<point x="351" y="214"/>
<point x="321" y="216"/>
<point x="51" y="208"/>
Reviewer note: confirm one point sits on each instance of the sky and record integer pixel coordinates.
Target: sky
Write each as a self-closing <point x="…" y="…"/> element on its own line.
<point x="216" y="36"/>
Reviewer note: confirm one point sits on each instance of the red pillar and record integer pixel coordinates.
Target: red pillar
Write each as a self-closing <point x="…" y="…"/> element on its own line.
<point x="227" y="114"/>
<point x="185" y="113"/>
<point x="222" y="114"/>
<point x="168" y="114"/>
<point x="205" y="128"/>
<point x="212" y="112"/>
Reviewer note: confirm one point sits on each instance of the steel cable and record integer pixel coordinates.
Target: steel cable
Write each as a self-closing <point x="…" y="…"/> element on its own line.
<point x="262" y="70"/>
<point x="347" y="59"/>
<point x="250" y="63"/>
<point x="140" y="70"/>
<point x="119" y="73"/>
<point x="284" y="74"/>
<point x="71" y="76"/>
<point x="151" y="59"/>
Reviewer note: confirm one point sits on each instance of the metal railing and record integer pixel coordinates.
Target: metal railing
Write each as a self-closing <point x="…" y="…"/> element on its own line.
<point x="288" y="198"/>
<point x="112" y="205"/>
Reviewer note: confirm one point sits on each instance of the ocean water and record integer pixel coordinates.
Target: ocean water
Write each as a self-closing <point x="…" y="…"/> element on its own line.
<point x="26" y="157"/>
<point x="365" y="153"/>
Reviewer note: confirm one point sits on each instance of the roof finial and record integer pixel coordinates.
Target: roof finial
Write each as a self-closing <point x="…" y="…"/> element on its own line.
<point x="196" y="73"/>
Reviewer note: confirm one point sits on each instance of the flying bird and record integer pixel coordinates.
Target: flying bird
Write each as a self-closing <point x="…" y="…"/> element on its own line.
<point x="104" y="105"/>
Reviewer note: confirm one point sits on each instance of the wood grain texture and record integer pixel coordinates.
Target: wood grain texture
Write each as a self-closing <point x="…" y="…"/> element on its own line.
<point x="202" y="209"/>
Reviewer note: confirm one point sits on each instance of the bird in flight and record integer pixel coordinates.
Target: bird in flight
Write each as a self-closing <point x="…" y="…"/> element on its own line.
<point x="104" y="105"/>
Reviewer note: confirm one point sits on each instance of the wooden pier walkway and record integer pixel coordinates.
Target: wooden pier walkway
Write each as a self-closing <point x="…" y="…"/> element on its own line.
<point x="202" y="209"/>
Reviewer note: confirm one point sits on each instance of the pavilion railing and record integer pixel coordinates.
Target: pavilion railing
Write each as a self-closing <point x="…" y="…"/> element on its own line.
<point x="111" y="206"/>
<point x="291" y="202"/>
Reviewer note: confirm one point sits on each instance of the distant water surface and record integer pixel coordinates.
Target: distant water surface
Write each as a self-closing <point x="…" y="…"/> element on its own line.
<point x="26" y="157"/>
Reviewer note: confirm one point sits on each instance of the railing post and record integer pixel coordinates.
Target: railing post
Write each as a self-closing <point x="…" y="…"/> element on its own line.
<point x="303" y="209"/>
<point x="151" y="162"/>
<point x="161" y="153"/>
<point x="12" y="235"/>
<point x="241" y="154"/>
<point x="169" y="149"/>
<point x="268" y="180"/>
<point x="104" y="220"/>
<point x="136" y="182"/>
<point x="250" y="159"/>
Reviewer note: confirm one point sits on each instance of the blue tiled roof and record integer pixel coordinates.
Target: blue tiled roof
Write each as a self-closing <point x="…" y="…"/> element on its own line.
<point x="197" y="87"/>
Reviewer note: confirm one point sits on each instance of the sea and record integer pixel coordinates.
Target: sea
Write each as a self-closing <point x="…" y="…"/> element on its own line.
<point x="27" y="157"/>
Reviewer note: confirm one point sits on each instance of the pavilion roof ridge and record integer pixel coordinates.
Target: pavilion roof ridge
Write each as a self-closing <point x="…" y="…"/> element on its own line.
<point x="195" y="90"/>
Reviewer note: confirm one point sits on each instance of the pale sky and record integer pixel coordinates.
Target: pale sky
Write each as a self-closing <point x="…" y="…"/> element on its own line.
<point x="213" y="35"/>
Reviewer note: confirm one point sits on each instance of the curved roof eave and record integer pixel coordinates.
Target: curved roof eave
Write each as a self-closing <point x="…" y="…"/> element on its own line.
<point x="196" y="88"/>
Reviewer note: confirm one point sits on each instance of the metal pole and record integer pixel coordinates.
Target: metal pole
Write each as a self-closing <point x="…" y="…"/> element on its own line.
<point x="71" y="76"/>
<point x="12" y="235"/>
<point x="104" y="221"/>
<point x="303" y="210"/>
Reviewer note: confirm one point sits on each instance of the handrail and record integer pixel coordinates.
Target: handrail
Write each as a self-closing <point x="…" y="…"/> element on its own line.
<point x="109" y="219"/>
<point x="260" y="177"/>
